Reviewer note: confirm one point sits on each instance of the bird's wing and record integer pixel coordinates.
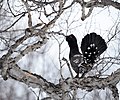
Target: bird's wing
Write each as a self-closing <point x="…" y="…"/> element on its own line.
<point x="76" y="61"/>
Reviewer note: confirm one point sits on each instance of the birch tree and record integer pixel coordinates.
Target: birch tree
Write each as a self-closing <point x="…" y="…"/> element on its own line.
<point x="26" y="26"/>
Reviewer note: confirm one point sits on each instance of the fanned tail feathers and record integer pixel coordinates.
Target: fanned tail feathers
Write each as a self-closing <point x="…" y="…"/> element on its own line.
<point x="92" y="46"/>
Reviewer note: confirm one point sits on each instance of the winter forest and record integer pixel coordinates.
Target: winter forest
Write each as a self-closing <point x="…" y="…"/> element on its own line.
<point x="34" y="53"/>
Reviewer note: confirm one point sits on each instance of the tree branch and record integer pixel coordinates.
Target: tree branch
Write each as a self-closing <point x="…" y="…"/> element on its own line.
<point x="95" y="3"/>
<point x="55" y="90"/>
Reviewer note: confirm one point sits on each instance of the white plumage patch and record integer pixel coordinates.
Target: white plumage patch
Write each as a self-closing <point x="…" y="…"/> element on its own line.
<point x="76" y="61"/>
<point x="92" y="45"/>
<point x="88" y="48"/>
<point x="77" y="58"/>
<point x="94" y="52"/>
<point x="85" y="52"/>
<point x="89" y="55"/>
<point x="77" y="55"/>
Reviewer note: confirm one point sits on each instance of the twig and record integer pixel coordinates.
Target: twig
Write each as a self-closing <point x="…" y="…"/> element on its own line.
<point x="14" y="22"/>
<point x="64" y="59"/>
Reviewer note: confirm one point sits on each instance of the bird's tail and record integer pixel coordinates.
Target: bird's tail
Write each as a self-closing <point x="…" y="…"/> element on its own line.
<point x="92" y="46"/>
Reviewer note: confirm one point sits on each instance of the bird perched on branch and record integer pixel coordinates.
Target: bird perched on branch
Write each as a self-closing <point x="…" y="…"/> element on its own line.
<point x="92" y="46"/>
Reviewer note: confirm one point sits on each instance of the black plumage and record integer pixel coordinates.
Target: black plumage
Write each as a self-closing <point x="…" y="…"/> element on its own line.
<point x="75" y="56"/>
<point x="92" y="46"/>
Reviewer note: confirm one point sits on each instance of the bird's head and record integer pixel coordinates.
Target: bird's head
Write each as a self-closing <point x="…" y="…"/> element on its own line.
<point x="71" y="38"/>
<point x="72" y="42"/>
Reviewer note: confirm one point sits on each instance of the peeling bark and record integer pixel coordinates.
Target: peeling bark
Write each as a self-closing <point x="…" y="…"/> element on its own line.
<point x="57" y="91"/>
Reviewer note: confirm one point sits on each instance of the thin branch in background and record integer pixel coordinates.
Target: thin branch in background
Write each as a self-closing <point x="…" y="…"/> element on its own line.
<point x="37" y="81"/>
<point x="115" y="92"/>
<point x="12" y="11"/>
<point x="10" y="8"/>
<point x="59" y="57"/>
<point x="84" y="16"/>
<point x="14" y="22"/>
<point x="46" y="98"/>
<point x="74" y="94"/>
<point x="111" y="38"/>
<point x="39" y="95"/>
<point x="47" y="26"/>
<point x="29" y="14"/>
<point x="64" y="59"/>
<point x="33" y="92"/>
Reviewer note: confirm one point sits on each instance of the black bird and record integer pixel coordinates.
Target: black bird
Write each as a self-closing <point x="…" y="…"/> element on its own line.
<point x="92" y="46"/>
<point x="75" y="56"/>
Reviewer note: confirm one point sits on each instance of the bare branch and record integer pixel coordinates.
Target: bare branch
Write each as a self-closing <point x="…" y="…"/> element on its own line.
<point x="55" y="91"/>
<point x="64" y="59"/>
<point x="114" y="92"/>
<point x="14" y="23"/>
<point x="95" y="3"/>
